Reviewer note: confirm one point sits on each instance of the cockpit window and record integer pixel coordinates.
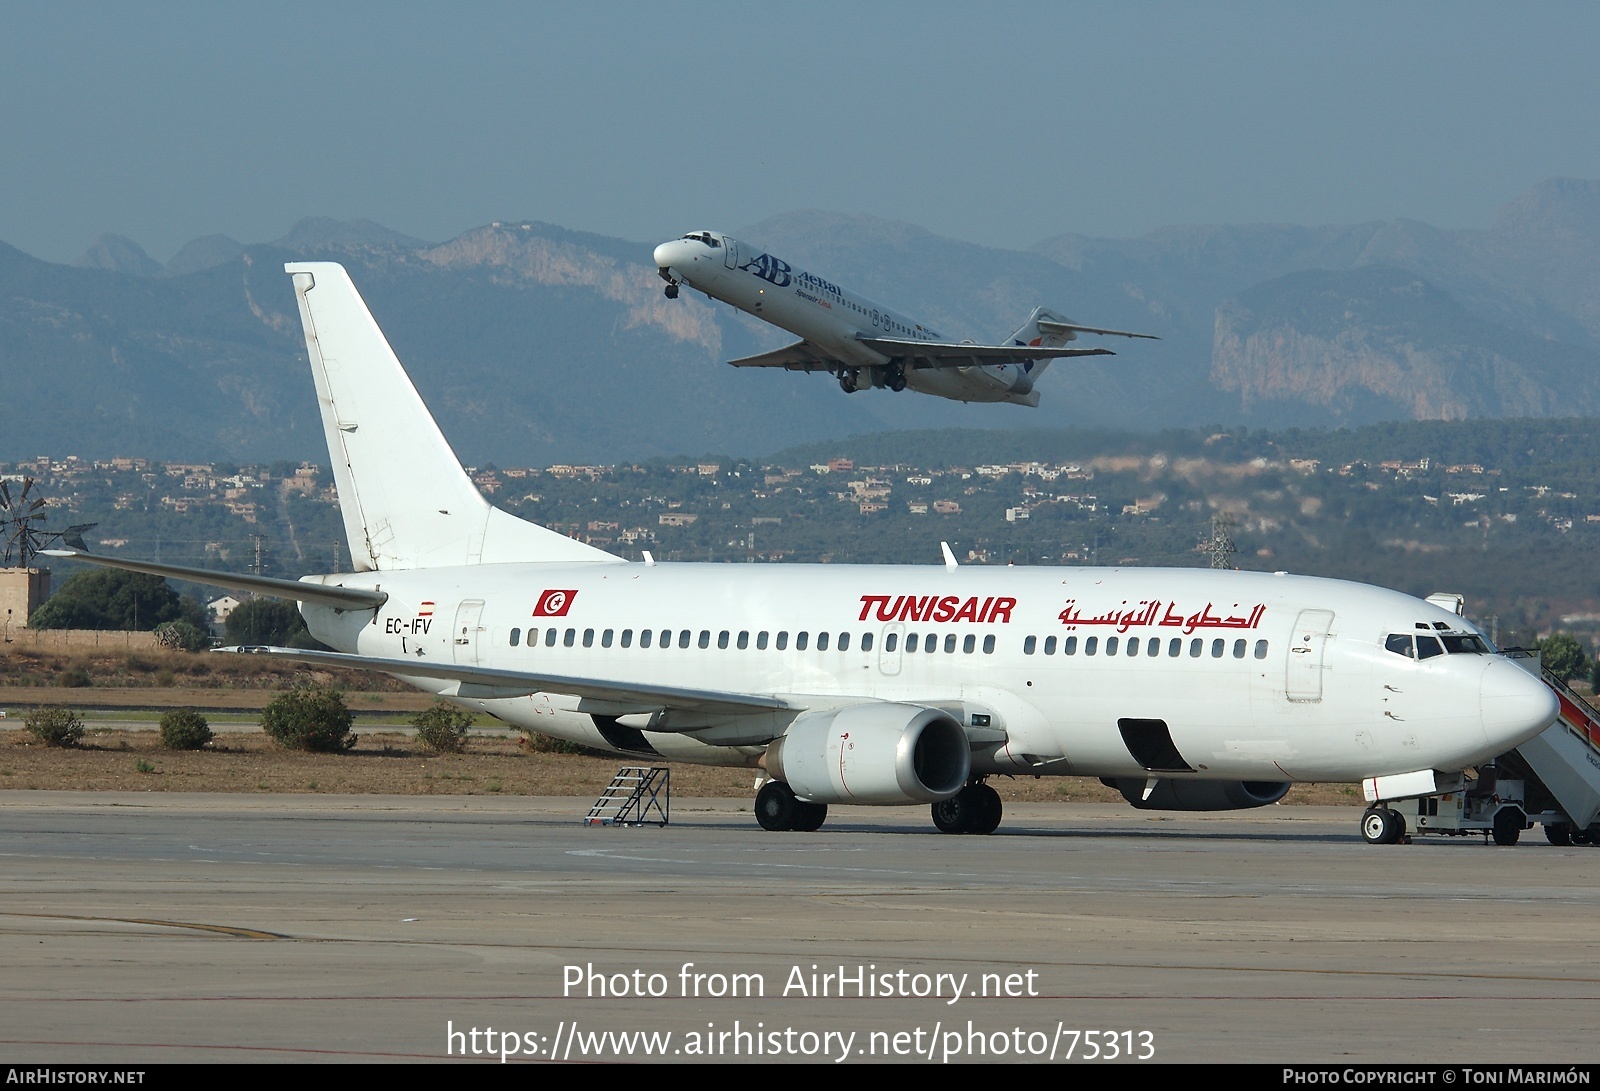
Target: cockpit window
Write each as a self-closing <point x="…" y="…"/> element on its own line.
<point x="705" y="237"/>
<point x="1438" y="643"/>
<point x="1464" y="644"/>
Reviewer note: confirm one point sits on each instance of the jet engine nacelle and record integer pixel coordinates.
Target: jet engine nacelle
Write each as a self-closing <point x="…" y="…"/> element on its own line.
<point x="1200" y="795"/>
<point x="873" y="753"/>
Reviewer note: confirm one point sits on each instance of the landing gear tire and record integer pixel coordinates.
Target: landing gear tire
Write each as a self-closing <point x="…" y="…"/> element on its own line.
<point x="672" y="291"/>
<point x="777" y="808"/>
<point x="1558" y="833"/>
<point x="894" y="377"/>
<point x="1507" y="826"/>
<point x="1381" y="826"/>
<point x="990" y="809"/>
<point x="974" y="809"/>
<point x="809" y="817"/>
<point x="849" y="381"/>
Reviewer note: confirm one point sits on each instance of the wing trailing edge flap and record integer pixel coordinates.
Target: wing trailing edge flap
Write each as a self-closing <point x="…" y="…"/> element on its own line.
<point x="600" y="696"/>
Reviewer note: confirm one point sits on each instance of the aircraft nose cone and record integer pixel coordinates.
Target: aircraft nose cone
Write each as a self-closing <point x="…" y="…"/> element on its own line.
<point x="1515" y="705"/>
<point x="676" y="253"/>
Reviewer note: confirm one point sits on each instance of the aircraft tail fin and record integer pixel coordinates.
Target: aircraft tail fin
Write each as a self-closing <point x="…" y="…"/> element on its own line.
<point x="406" y="501"/>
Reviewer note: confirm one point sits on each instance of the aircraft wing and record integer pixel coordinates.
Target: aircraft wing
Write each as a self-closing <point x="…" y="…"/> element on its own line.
<point x="948" y="354"/>
<point x="805" y="356"/>
<point x="800" y="356"/>
<point x="487" y="682"/>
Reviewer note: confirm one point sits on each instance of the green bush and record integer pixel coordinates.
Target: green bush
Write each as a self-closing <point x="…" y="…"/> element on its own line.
<point x="55" y="726"/>
<point x="309" y="717"/>
<point x="74" y="678"/>
<point x="538" y="743"/>
<point x="442" y="728"/>
<point x="184" y="729"/>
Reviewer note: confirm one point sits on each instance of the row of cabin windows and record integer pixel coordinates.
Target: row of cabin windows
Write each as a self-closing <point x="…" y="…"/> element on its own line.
<point x="928" y="643"/>
<point x="1151" y="647"/>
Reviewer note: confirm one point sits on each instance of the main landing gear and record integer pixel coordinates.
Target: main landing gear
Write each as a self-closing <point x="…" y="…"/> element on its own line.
<point x="778" y="808"/>
<point x="1381" y="826"/>
<point x="974" y="809"/>
<point x="892" y="376"/>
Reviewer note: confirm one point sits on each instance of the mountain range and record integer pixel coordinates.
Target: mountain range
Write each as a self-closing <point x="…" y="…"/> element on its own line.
<point x="537" y="344"/>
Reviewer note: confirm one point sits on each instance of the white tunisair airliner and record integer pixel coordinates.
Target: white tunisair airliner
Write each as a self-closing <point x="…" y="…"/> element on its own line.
<point x="857" y="340"/>
<point x="878" y="684"/>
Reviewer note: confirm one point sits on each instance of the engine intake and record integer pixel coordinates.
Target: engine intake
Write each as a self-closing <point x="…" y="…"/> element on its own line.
<point x="1200" y="795"/>
<point x="873" y="753"/>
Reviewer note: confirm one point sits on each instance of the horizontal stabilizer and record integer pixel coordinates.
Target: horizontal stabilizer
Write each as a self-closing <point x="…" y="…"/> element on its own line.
<point x="1047" y="326"/>
<point x="323" y="594"/>
<point x="503" y="683"/>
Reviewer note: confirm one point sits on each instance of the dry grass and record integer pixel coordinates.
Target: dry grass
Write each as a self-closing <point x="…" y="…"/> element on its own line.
<point x="390" y="763"/>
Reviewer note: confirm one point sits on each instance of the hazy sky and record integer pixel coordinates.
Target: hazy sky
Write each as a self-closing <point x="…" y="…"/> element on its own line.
<point x="992" y="122"/>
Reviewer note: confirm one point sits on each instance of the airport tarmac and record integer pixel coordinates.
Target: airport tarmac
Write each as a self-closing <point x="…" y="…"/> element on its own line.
<point x="159" y="928"/>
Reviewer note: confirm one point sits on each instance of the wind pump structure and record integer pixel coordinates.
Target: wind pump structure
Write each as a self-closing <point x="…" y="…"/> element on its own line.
<point x="22" y="526"/>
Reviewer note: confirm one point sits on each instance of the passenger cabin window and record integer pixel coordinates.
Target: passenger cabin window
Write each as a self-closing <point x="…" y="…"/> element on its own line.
<point x="822" y="642"/>
<point x="801" y="639"/>
<point x="988" y="644"/>
<point x="516" y="637"/>
<point x="1238" y="649"/>
<point x="684" y="636"/>
<point x="627" y="638"/>
<point x="891" y="641"/>
<point x="1091" y="645"/>
<point x="761" y="641"/>
<point x="605" y="638"/>
<point x="1216" y="648"/>
<point x="722" y="640"/>
<point x="1175" y="647"/>
<point x="645" y="636"/>
<point x="950" y="644"/>
<point x="571" y="638"/>
<point x="783" y="641"/>
<point x="844" y="642"/>
<point x="588" y="638"/>
<point x="705" y="639"/>
<point x="1261" y="649"/>
<point x="744" y="639"/>
<point x="1069" y="646"/>
<point x="1049" y="645"/>
<point x="866" y="642"/>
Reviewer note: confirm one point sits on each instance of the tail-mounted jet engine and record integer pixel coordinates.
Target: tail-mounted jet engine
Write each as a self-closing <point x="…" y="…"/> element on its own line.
<point x="873" y="753"/>
<point x="1199" y="795"/>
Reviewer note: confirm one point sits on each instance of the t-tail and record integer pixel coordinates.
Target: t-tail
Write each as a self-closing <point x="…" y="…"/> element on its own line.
<point x="406" y="500"/>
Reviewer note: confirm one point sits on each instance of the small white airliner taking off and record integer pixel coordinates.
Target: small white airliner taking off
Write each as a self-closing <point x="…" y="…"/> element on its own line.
<point x="877" y="684"/>
<point x="857" y="340"/>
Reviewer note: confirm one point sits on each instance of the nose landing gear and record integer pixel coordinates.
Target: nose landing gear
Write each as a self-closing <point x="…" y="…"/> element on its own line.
<point x="672" y="285"/>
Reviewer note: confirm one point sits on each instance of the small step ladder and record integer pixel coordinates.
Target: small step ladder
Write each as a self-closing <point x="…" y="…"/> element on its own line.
<point x="634" y="795"/>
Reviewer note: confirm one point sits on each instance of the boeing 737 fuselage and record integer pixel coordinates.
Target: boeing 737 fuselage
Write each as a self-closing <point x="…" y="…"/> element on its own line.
<point x="876" y="684"/>
<point x="859" y="341"/>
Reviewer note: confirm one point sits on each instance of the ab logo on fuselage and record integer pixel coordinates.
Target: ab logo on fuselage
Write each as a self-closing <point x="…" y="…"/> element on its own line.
<point x="770" y="269"/>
